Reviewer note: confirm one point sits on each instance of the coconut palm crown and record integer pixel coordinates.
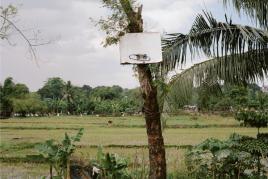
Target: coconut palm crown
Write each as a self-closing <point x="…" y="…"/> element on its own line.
<point x="236" y="53"/>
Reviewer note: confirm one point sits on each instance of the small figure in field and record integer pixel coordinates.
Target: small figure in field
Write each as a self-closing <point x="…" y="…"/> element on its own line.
<point x="110" y="123"/>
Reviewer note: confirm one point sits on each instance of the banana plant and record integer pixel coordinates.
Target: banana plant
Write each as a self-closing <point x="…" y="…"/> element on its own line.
<point x="58" y="154"/>
<point x="111" y="165"/>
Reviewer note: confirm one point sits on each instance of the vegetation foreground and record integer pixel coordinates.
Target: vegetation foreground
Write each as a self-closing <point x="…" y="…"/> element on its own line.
<point x="125" y="136"/>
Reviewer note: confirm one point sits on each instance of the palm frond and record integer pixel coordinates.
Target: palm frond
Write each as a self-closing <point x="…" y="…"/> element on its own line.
<point x="213" y="39"/>
<point x="256" y="9"/>
<point x="233" y="69"/>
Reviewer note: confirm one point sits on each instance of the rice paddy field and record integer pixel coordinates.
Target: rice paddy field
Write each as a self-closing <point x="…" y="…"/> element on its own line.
<point x="125" y="136"/>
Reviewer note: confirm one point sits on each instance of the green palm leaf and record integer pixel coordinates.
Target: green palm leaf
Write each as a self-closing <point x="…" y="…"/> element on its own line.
<point x="239" y="68"/>
<point x="212" y="38"/>
<point x="256" y="9"/>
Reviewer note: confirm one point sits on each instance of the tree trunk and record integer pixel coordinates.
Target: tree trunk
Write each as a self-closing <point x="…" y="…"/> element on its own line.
<point x="153" y="124"/>
<point x="68" y="169"/>
<point x="151" y="107"/>
<point x="50" y="172"/>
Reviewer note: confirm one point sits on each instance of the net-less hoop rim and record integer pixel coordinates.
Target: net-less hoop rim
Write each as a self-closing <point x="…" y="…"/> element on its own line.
<point x="140" y="57"/>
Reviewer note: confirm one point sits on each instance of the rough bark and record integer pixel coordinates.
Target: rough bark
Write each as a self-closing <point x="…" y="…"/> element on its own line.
<point x="151" y="107"/>
<point x="50" y="172"/>
<point x="153" y="124"/>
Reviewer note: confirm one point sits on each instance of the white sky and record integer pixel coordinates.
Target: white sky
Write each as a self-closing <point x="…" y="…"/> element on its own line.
<point x="75" y="52"/>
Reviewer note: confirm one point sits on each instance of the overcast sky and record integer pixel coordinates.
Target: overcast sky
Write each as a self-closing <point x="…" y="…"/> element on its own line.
<point x="75" y="52"/>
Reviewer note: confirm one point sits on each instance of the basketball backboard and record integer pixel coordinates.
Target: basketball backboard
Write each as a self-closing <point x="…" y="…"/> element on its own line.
<point x="140" y="48"/>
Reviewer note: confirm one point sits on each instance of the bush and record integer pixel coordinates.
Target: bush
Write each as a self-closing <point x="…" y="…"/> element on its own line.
<point x="29" y="104"/>
<point x="112" y="165"/>
<point x="253" y="118"/>
<point x="239" y="156"/>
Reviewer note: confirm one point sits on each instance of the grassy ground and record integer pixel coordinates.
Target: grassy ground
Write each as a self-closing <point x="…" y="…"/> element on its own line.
<point x="125" y="136"/>
<point x="135" y="121"/>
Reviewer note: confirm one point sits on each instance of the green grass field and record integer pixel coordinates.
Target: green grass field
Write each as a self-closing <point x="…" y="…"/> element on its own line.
<point x="125" y="136"/>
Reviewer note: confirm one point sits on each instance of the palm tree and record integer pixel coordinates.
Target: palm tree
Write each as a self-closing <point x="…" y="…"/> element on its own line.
<point x="238" y="53"/>
<point x="68" y="94"/>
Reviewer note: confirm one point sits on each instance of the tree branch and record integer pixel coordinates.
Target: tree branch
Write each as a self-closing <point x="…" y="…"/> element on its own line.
<point x="30" y="45"/>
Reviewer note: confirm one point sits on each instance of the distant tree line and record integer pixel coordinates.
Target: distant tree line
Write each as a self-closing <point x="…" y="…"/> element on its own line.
<point x="232" y="97"/>
<point x="223" y="97"/>
<point x="60" y="97"/>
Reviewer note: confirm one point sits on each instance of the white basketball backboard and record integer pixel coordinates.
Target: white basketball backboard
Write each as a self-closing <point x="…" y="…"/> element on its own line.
<point x="140" y="48"/>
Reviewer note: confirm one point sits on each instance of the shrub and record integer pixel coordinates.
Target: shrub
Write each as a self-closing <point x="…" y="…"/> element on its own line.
<point x="237" y="157"/>
<point x="112" y="165"/>
<point x="253" y="118"/>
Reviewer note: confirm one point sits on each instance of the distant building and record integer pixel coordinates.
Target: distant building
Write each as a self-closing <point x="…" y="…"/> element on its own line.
<point x="265" y="88"/>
